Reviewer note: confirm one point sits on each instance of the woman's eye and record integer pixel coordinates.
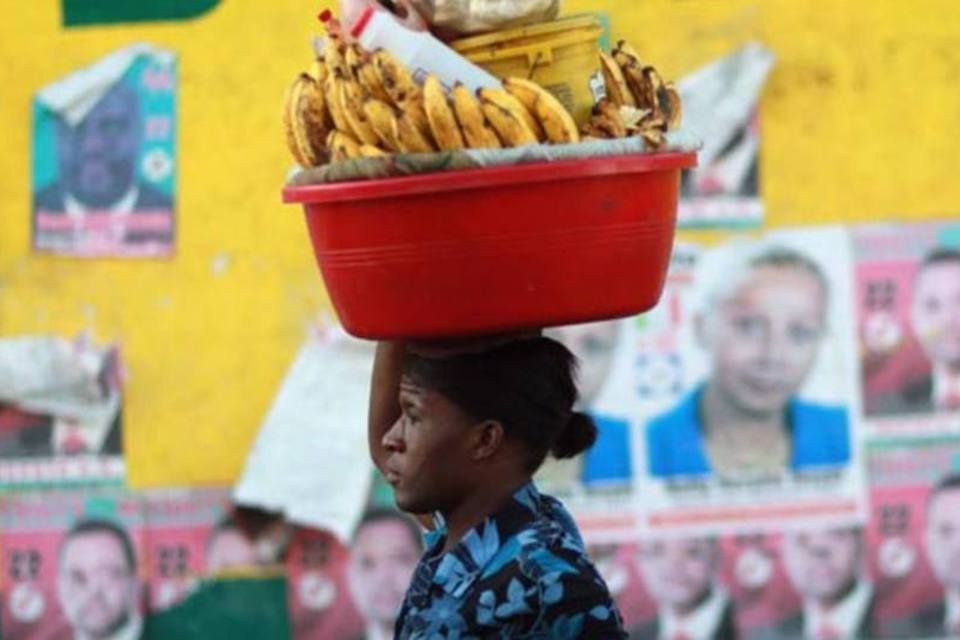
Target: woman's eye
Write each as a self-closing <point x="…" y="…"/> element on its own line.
<point x="748" y="325"/>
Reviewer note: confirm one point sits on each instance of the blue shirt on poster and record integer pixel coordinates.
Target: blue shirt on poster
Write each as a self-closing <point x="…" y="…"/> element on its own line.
<point x="820" y="437"/>
<point x="608" y="460"/>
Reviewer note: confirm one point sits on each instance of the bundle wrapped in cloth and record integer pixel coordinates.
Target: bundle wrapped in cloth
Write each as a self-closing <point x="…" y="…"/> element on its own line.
<point x="475" y="16"/>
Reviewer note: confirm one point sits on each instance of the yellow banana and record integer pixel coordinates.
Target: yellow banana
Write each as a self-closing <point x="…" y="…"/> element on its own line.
<point x="370" y="80"/>
<point x="557" y="123"/>
<point x="371" y="151"/>
<point x="352" y="99"/>
<point x="409" y="137"/>
<point x="417" y="113"/>
<point x="473" y="124"/>
<point x="382" y="118"/>
<point x="318" y="71"/>
<point x="617" y="90"/>
<point x="333" y="93"/>
<point x="353" y="60"/>
<point x="508" y="103"/>
<point x="670" y="105"/>
<point x="625" y="51"/>
<point x="333" y="52"/>
<point x="443" y="123"/>
<point x="510" y="127"/>
<point x="305" y="122"/>
<point x="394" y="77"/>
<point x="343" y="146"/>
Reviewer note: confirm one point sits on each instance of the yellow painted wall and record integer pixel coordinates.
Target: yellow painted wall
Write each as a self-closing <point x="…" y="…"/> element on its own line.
<point x="860" y="123"/>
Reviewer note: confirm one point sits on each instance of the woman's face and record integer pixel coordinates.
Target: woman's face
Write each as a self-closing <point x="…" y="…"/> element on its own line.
<point x="764" y="337"/>
<point x="429" y="459"/>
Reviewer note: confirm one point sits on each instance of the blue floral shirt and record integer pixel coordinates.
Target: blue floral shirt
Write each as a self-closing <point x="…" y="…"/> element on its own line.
<point x="521" y="573"/>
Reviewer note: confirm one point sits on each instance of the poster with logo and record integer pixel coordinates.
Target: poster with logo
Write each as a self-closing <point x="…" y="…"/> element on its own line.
<point x="73" y="564"/>
<point x="318" y="594"/>
<point x="61" y="417"/>
<point x="914" y="531"/>
<point x="908" y="317"/>
<point x="746" y="389"/>
<point x="180" y="540"/>
<point x="104" y="152"/>
<point x="597" y="486"/>
<point x="721" y="105"/>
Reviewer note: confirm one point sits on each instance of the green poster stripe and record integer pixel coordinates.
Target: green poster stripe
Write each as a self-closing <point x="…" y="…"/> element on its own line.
<point x="88" y="12"/>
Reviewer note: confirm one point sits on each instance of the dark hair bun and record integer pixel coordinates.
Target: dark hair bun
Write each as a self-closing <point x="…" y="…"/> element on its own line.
<point x="579" y="435"/>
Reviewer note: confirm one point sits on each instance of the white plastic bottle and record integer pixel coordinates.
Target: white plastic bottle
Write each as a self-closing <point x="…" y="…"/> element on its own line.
<point x="419" y="51"/>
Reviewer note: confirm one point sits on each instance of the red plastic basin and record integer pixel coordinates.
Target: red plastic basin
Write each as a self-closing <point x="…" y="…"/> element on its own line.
<point x="497" y="249"/>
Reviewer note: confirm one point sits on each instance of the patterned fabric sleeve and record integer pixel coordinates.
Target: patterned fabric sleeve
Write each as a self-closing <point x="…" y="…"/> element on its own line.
<point x="576" y="604"/>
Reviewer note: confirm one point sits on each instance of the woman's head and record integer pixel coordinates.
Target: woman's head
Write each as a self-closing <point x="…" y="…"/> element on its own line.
<point x="764" y="327"/>
<point x="478" y="418"/>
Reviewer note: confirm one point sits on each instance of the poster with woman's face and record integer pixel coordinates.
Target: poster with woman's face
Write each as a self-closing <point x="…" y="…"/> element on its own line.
<point x="908" y="320"/>
<point x="597" y="485"/>
<point x="747" y="385"/>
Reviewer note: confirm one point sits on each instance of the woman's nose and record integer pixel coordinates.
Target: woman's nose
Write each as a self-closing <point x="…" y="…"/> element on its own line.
<point x="393" y="438"/>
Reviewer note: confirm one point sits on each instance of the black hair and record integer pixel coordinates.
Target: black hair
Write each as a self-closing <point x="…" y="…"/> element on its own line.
<point x="940" y="256"/>
<point x="100" y="525"/>
<point x="950" y="482"/>
<point x="528" y="386"/>
<point x="383" y="514"/>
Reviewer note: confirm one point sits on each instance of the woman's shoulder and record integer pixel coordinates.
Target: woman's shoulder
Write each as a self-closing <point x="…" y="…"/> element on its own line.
<point x="821" y="434"/>
<point x="819" y="417"/>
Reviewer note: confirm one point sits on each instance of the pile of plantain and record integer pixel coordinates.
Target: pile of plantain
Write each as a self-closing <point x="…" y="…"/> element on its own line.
<point x="353" y="104"/>
<point x="638" y="101"/>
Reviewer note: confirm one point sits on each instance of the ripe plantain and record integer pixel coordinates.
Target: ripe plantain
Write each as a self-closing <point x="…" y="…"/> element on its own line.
<point x="473" y="124"/>
<point x="352" y="99"/>
<point x="510" y="127"/>
<point x="606" y="122"/>
<point x="409" y="137"/>
<point x="506" y="103"/>
<point x="383" y="119"/>
<point x="371" y="151"/>
<point x="557" y="123"/>
<point x="670" y="105"/>
<point x="333" y="55"/>
<point x="443" y="122"/>
<point x="333" y="94"/>
<point x="369" y="79"/>
<point x="617" y="90"/>
<point x="394" y="77"/>
<point x="343" y="146"/>
<point x="353" y="60"/>
<point x="305" y="122"/>
<point x="318" y="71"/>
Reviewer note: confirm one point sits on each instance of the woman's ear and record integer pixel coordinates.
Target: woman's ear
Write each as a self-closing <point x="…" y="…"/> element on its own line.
<point x="488" y="437"/>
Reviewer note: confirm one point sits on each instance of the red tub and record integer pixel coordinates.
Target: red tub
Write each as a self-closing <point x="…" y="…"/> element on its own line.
<point x="498" y="249"/>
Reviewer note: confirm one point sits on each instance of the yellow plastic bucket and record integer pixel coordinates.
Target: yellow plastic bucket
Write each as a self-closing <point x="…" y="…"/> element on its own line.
<point x="563" y="56"/>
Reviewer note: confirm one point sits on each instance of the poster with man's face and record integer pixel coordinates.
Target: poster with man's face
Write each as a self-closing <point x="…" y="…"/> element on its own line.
<point x="908" y="303"/>
<point x="179" y="540"/>
<point x="103" y="157"/>
<point x="914" y="534"/>
<point x="721" y="105"/>
<point x="72" y="565"/>
<point x="746" y="389"/>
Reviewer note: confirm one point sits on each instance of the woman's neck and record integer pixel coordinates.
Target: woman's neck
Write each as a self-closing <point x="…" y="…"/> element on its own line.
<point x="719" y="413"/>
<point x="481" y="503"/>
